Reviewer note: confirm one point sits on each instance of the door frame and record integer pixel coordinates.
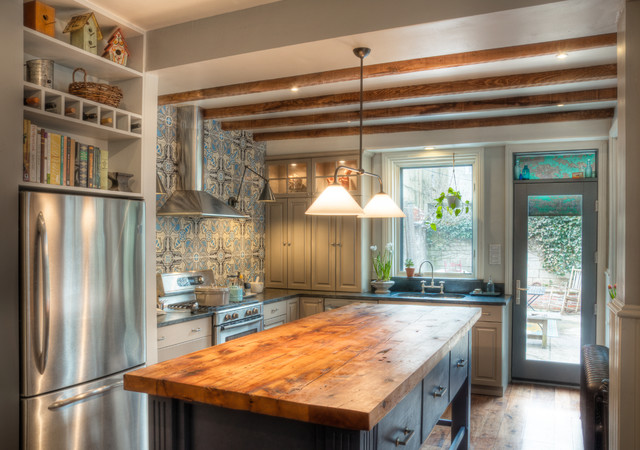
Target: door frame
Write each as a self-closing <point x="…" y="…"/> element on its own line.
<point x="602" y="148"/>
<point x="548" y="371"/>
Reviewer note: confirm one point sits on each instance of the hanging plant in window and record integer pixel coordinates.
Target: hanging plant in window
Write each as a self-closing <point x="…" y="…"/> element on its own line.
<point x="454" y="204"/>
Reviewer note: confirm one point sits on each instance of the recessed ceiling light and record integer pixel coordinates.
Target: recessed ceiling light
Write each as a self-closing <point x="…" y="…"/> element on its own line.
<point x="560" y="105"/>
<point x="561" y="55"/>
<point x="429" y="148"/>
<point x="341" y="162"/>
<point x="294" y="89"/>
<point x="293" y="164"/>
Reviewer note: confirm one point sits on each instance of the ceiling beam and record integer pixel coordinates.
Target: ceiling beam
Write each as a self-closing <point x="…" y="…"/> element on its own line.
<point x="567" y="98"/>
<point x="440" y="125"/>
<point x="395" y="68"/>
<point x="603" y="72"/>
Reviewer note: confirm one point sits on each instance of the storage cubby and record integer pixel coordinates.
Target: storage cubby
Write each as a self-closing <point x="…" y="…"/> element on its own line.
<point x="116" y="131"/>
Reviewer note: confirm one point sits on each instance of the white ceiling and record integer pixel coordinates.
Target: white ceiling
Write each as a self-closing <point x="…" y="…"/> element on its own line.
<point x="153" y="14"/>
<point x="538" y="23"/>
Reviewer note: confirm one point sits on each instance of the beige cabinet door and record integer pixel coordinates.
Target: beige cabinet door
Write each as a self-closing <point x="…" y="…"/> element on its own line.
<point x="323" y="254"/>
<point x="487" y="354"/>
<point x="347" y="262"/>
<point x="276" y="248"/>
<point x="310" y="306"/>
<point x="298" y="244"/>
<point x="292" y="309"/>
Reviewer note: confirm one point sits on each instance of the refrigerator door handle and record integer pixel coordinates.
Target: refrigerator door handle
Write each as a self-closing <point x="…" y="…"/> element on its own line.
<point x="77" y="398"/>
<point x="42" y="324"/>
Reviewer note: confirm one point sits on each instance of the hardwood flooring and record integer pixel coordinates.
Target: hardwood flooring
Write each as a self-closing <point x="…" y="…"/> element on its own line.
<point x="527" y="417"/>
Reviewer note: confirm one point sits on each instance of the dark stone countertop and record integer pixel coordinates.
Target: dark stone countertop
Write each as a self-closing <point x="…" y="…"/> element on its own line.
<point x="275" y="295"/>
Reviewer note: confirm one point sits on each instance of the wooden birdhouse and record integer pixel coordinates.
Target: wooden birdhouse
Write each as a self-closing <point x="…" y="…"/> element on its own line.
<point x="40" y="17"/>
<point x="116" y="49"/>
<point x="85" y="32"/>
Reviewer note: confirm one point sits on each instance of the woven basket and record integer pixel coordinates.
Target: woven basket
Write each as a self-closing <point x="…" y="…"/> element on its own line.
<point x="98" y="92"/>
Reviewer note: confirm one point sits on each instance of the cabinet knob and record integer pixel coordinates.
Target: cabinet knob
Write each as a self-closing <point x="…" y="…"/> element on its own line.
<point x="289" y="244"/>
<point x="195" y="330"/>
<point x="461" y="363"/>
<point x="162" y="338"/>
<point x="284" y="243"/>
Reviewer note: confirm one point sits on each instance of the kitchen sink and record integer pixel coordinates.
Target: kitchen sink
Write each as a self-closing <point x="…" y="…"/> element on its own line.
<point x="430" y="295"/>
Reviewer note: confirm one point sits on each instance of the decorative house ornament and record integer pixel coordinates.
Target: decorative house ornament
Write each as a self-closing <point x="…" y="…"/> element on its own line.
<point x="116" y="49"/>
<point x="85" y="32"/>
<point x="40" y="17"/>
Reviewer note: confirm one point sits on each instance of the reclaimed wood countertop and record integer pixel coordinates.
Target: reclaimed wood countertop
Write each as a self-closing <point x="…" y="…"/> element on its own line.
<point x="345" y="368"/>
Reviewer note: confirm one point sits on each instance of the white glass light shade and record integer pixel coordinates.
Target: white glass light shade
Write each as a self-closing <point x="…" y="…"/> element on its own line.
<point x="335" y="201"/>
<point x="381" y="205"/>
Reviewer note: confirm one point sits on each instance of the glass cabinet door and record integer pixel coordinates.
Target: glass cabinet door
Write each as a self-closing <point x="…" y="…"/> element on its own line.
<point x="289" y="177"/>
<point x="324" y="170"/>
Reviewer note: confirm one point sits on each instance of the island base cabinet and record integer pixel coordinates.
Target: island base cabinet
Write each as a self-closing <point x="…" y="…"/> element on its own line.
<point x="181" y="425"/>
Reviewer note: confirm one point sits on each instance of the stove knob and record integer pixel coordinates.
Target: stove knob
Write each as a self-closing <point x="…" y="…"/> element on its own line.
<point x="235" y="316"/>
<point x="200" y="280"/>
<point x="255" y="311"/>
<point x="247" y="312"/>
<point x="227" y="317"/>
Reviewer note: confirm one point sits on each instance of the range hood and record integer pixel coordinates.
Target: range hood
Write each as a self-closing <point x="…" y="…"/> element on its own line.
<point x="189" y="198"/>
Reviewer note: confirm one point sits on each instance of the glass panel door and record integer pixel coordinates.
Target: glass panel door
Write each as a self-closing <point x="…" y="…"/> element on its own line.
<point x="555" y="273"/>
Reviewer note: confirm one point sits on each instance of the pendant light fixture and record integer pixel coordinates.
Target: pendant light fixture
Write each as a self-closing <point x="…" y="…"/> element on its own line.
<point x="335" y="200"/>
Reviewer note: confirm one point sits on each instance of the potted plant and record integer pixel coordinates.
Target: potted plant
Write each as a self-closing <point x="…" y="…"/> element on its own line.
<point x="382" y="266"/>
<point x="408" y="267"/>
<point x="454" y="206"/>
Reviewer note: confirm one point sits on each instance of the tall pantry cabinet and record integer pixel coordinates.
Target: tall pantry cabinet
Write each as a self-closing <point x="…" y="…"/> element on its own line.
<point x="126" y="132"/>
<point x="314" y="252"/>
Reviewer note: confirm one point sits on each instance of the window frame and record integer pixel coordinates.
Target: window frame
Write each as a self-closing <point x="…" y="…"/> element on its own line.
<point x="392" y="163"/>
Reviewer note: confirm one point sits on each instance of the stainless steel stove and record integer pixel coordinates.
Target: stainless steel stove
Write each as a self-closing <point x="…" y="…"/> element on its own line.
<point x="176" y="294"/>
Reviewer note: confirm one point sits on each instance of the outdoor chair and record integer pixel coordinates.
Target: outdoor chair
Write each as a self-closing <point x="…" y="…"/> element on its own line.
<point x="566" y="299"/>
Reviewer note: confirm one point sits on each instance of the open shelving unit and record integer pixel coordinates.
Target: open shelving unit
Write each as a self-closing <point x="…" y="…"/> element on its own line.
<point x="119" y="130"/>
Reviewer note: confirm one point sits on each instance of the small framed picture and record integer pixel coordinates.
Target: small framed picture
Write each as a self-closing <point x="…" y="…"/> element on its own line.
<point x="577" y="175"/>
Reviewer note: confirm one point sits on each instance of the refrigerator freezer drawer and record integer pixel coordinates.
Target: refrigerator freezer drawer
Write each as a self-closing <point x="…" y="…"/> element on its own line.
<point x="95" y="415"/>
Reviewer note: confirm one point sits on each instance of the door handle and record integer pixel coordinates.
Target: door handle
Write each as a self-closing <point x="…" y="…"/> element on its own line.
<point x="93" y="392"/>
<point x="42" y="323"/>
<point x="518" y="290"/>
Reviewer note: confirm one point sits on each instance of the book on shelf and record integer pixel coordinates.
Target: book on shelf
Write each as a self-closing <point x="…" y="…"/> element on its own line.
<point x="54" y="158"/>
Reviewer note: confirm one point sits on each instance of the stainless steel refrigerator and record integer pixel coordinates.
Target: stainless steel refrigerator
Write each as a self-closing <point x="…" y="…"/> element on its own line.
<point x="82" y="321"/>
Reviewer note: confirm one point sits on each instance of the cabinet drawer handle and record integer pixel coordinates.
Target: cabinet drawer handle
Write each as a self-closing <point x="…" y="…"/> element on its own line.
<point x="440" y="391"/>
<point x="408" y="434"/>
<point x="162" y="338"/>
<point x="274" y="310"/>
<point x="486" y="314"/>
<point x="195" y="330"/>
<point x="461" y="363"/>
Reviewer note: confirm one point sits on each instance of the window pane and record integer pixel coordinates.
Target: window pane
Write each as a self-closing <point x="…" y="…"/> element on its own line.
<point x="450" y="247"/>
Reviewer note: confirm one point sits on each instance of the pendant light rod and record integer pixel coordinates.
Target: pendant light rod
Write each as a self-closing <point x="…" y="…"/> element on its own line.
<point x="359" y="172"/>
<point x="362" y="53"/>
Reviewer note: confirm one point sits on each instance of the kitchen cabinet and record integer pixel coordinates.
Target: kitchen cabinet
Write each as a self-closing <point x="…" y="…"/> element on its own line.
<point x="290" y="177"/>
<point x="185" y="337"/>
<point x="288" y="244"/>
<point x="335" y="253"/>
<point x="490" y="347"/>
<point x="279" y="313"/>
<point x="310" y="306"/>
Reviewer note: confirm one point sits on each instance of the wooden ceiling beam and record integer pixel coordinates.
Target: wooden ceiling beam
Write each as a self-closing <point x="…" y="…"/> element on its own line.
<point x="606" y="113"/>
<point x="602" y="72"/>
<point x="395" y="68"/>
<point x="567" y="98"/>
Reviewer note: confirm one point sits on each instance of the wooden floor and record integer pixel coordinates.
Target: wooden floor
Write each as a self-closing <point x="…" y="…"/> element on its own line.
<point x="527" y="417"/>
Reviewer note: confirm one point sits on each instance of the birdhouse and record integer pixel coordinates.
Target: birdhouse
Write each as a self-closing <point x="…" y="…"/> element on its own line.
<point x="40" y="17"/>
<point x="85" y="32"/>
<point x="116" y="49"/>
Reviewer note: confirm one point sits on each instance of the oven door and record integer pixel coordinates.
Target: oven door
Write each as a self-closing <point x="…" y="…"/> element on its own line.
<point x="234" y="330"/>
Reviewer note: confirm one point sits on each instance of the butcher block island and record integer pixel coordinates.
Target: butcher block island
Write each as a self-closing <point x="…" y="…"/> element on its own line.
<point x="362" y="376"/>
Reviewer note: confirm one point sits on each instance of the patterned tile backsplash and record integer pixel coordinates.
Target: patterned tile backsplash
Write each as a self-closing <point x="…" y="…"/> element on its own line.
<point x="227" y="246"/>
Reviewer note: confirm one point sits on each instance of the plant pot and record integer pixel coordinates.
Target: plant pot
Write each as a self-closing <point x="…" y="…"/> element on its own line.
<point x="410" y="271"/>
<point x="382" y="287"/>
<point x="453" y="201"/>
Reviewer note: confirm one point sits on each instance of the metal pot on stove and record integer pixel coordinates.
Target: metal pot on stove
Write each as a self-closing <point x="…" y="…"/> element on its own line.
<point x="212" y="295"/>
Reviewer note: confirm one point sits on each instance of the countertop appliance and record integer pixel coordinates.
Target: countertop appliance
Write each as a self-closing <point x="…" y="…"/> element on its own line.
<point x="176" y="295"/>
<point x="82" y="321"/>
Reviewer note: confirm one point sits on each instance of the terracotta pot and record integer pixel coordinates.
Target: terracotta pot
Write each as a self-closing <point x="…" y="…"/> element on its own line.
<point x="410" y="271"/>
<point x="382" y="287"/>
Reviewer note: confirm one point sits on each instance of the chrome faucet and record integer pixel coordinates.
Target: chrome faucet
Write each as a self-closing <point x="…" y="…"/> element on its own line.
<point x="432" y="285"/>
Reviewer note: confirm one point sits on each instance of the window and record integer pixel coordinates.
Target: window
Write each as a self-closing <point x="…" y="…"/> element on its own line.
<point x="418" y="178"/>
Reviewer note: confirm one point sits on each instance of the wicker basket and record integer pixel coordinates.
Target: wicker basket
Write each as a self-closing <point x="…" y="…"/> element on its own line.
<point x="98" y="92"/>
